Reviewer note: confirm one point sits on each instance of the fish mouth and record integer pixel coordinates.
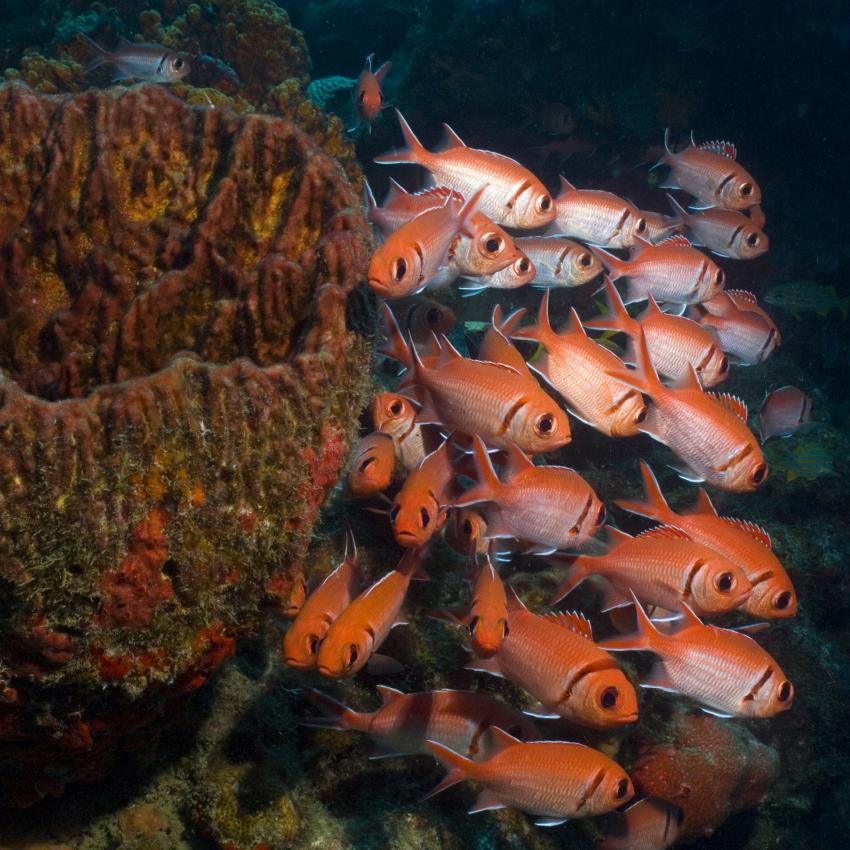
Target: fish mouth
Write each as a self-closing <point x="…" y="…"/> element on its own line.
<point x="406" y="535"/>
<point x="627" y="718"/>
<point x="326" y="671"/>
<point x="297" y="663"/>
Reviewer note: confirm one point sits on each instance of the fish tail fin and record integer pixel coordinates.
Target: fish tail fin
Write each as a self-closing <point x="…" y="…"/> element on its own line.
<point x="396" y="346"/>
<point x="618" y="318"/>
<point x="654" y="506"/>
<point x="647" y="635"/>
<point x="615" y="267"/>
<point x="488" y="485"/>
<point x="336" y="715"/>
<point x="667" y="151"/>
<point x="102" y="54"/>
<point x="459" y="768"/>
<point x="576" y="573"/>
<point x="680" y="213"/>
<point x="543" y="331"/>
<point x="414" y="152"/>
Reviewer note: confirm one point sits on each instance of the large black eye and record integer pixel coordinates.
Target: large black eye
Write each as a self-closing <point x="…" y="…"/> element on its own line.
<point x="752" y="240"/>
<point x="433" y="316"/>
<point x="720" y="277"/>
<point x="584" y="260"/>
<point x="546" y="424"/>
<point x="313" y="644"/>
<point x="523" y="265"/>
<point x="640" y="227"/>
<point x="466" y="528"/>
<point x="544" y="203"/>
<point x="746" y="189"/>
<point x="424" y="517"/>
<point x="600" y="517"/>
<point x="362" y="96"/>
<point x="178" y="63"/>
<point x="724" y="365"/>
<point x="493" y="244"/>
<point x="473" y="625"/>
<point x="399" y="268"/>
<point x="759" y="473"/>
<point x="642" y="415"/>
<point x="622" y="788"/>
<point x="785" y="691"/>
<point x="396" y="407"/>
<point x="724" y="582"/>
<point x="366" y="464"/>
<point x="394" y="513"/>
<point x="353" y="654"/>
<point x="609" y="697"/>
<point x="783" y="600"/>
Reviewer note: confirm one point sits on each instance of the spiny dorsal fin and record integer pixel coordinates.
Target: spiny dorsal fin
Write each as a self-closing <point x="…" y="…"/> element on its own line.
<point x="575" y="622"/>
<point x="502" y="740"/>
<point x="452" y="139"/>
<point x="615" y="536"/>
<point x="518" y="461"/>
<point x="752" y="529"/>
<point x="726" y="149"/>
<point x="664" y="532"/>
<point x="703" y="504"/>
<point x="388" y="694"/>
<point x="675" y="239"/>
<point x="742" y="295"/>
<point x="732" y="403"/>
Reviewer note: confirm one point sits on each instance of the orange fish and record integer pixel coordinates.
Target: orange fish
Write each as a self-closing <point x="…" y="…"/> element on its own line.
<point x="784" y="412"/>
<point x="513" y="196"/>
<point x="728" y="233"/>
<point x="520" y="272"/>
<point x="466" y="530"/>
<point x="488" y="616"/>
<point x="554" y="780"/>
<point x="743" y="543"/>
<point x="559" y="261"/>
<point x="495" y="401"/>
<point x="420" y="317"/>
<point x="672" y="271"/>
<point x="711" y="174"/>
<point x="372" y="466"/>
<point x="297" y="597"/>
<point x="675" y="343"/>
<point x="401" y="206"/>
<point x="660" y="226"/>
<point x="663" y="567"/>
<point x="757" y="216"/>
<point x="395" y="415"/>
<point x="460" y="720"/>
<point x="596" y="217"/>
<point x="358" y="632"/>
<point x="418" y="510"/>
<point x="743" y="334"/>
<point x="368" y="97"/>
<point x="651" y="824"/>
<point x="707" y="432"/>
<point x="747" y="301"/>
<point x="321" y="608"/>
<point x="554" y="658"/>
<point x="725" y="670"/>
<point x="580" y="370"/>
<point x="522" y="505"/>
<point x="416" y="252"/>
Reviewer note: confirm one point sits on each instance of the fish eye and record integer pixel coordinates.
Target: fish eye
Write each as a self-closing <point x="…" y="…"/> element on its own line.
<point x="506" y="629"/>
<point x="752" y="239"/>
<point x="785" y="691"/>
<point x="642" y="415"/>
<point x="746" y="189"/>
<point x="396" y="407"/>
<point x="424" y="517"/>
<point x="523" y="265"/>
<point x="724" y="364"/>
<point x="366" y="464"/>
<point x="584" y="259"/>
<point x="353" y="654"/>
<point x="473" y="625"/>
<point x="610" y="697"/>
<point x="622" y="788"/>
<point x="600" y="517"/>
<point x="759" y="473"/>
<point x="720" y="277"/>
<point x="395" y="512"/>
<point x="466" y="528"/>
<point x="313" y="642"/>
<point x="724" y="582"/>
<point x="493" y="244"/>
<point x="640" y="226"/>
<point x="544" y="202"/>
<point x="362" y="96"/>
<point x="545" y="424"/>
<point x="783" y="600"/>
<point x="178" y="63"/>
<point x="399" y="268"/>
<point x="433" y="315"/>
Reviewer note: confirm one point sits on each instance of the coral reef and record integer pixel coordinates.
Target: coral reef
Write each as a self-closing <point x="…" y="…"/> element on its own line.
<point x="183" y="342"/>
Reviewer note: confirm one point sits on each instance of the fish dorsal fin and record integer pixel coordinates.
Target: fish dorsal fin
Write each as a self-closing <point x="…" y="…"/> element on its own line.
<point x="506" y="326"/>
<point x="574" y="325"/>
<point x="743" y="295"/>
<point x="566" y="187"/>
<point x="501" y="740"/>
<point x="573" y="621"/>
<point x="688" y="620"/>
<point x="395" y="193"/>
<point x="689" y="379"/>
<point x="615" y="536"/>
<point x="388" y="694"/>
<point x="665" y="532"/>
<point x="383" y="71"/>
<point x="721" y="148"/>
<point x="124" y="42"/>
<point x="514" y="602"/>
<point x="369" y="59"/>
<point x="447" y="350"/>
<point x="752" y="529"/>
<point x="452" y="139"/>
<point x="652" y="308"/>
<point x="518" y="461"/>
<point x="732" y="403"/>
<point x="675" y="239"/>
<point x="703" y="504"/>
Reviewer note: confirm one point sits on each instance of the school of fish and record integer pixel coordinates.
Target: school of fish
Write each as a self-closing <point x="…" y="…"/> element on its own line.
<point x="459" y="448"/>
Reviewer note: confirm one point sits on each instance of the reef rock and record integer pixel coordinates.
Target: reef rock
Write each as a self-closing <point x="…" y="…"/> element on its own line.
<point x="184" y="345"/>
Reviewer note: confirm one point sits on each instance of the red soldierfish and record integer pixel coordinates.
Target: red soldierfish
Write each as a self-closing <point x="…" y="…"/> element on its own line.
<point x="596" y="217"/>
<point x="708" y="432"/>
<point x="321" y="608"/>
<point x="711" y="174"/>
<point x="373" y="465"/>
<point x="149" y="62"/>
<point x="663" y="567"/>
<point x="784" y="412"/>
<point x="395" y="415"/>
<point x="555" y="780"/>
<point x="401" y="206"/>
<point x="420" y="317"/>
<point x="580" y="370"/>
<point x="522" y="506"/>
<point x="520" y="272"/>
<point x="728" y="233"/>
<point x="673" y="271"/>
<point x="466" y="530"/>
<point x="742" y="334"/>
<point x="488" y="615"/>
<point x="743" y="543"/>
<point x="725" y="670"/>
<point x="651" y="824"/>
<point x="675" y="343"/>
<point x="460" y="720"/>
<point x="559" y="261"/>
<point x="513" y="196"/>
<point x="747" y="301"/>
<point x="358" y="632"/>
<point x="554" y="658"/>
<point x="368" y="96"/>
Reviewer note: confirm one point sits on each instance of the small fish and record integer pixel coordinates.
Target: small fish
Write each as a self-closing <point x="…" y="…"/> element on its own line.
<point x="358" y="632"/>
<point x="743" y="335"/>
<point x="728" y="233"/>
<point x="149" y="62"/>
<point x="708" y="432"/>
<point x="554" y="780"/>
<point x="401" y="206"/>
<point x="554" y="658"/>
<point x="580" y="370"/>
<point x="650" y="824"/>
<point x="660" y="226"/>
<point x="675" y="343"/>
<point x="520" y="272"/>
<point x="663" y="567"/>
<point x="321" y="608"/>
<point x="460" y="720"/>
<point x="512" y="197"/>
<point x="744" y="300"/>
<point x="466" y="530"/>
<point x="711" y="174"/>
<point x="395" y="415"/>
<point x="807" y="297"/>
<point x="808" y="461"/>
<point x="599" y="218"/>
<point x="521" y="506"/>
<point x="418" y="510"/>
<point x="414" y="254"/>
<point x="420" y="316"/>
<point x="672" y="271"/>
<point x="725" y="670"/>
<point x="784" y="412"/>
<point x="744" y="543"/>
<point x="373" y="465"/>
<point x="559" y="261"/>
<point x="368" y="96"/>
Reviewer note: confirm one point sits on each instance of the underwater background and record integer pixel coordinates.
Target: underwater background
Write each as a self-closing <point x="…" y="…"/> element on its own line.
<point x="184" y="370"/>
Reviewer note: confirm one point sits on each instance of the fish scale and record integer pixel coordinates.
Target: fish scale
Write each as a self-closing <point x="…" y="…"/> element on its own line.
<point x="559" y="262"/>
<point x="743" y="334"/>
